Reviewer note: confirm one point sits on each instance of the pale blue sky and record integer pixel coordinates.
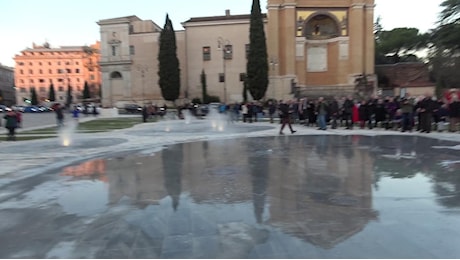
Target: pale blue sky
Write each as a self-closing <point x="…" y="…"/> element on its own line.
<point x="64" y="22"/>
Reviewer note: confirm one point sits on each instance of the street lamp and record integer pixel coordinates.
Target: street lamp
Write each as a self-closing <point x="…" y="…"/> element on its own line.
<point x="226" y="47"/>
<point x="143" y="69"/>
<point x="273" y="63"/>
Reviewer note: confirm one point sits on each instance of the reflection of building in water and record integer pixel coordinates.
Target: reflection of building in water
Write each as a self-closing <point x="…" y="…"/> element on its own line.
<point x="316" y="189"/>
<point x="216" y="172"/>
<point x="329" y="199"/>
<point x="210" y="172"/>
<point x="93" y="169"/>
<point x="138" y="178"/>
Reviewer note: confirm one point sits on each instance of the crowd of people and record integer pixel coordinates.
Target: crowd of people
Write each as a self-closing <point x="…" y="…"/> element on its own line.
<point x="423" y="113"/>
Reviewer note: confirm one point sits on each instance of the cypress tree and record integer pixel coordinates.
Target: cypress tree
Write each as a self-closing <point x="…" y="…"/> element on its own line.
<point x="33" y="99"/>
<point x="257" y="65"/>
<point x="204" y="87"/>
<point x="86" y="93"/>
<point x="69" y="98"/>
<point x="51" y="93"/>
<point x="169" y="71"/>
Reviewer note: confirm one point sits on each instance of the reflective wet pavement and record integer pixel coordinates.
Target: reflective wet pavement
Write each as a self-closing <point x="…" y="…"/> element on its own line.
<point x="293" y="196"/>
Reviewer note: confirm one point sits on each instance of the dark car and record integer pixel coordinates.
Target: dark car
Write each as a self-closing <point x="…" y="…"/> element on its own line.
<point x="133" y="108"/>
<point x="32" y="109"/>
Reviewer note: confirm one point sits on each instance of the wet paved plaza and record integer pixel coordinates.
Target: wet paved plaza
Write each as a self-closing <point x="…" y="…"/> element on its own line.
<point x="255" y="196"/>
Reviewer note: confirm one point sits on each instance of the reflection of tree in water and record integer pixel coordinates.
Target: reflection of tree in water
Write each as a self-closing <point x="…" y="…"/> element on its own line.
<point x="172" y="158"/>
<point x="447" y="186"/>
<point x="258" y="163"/>
<point x="407" y="156"/>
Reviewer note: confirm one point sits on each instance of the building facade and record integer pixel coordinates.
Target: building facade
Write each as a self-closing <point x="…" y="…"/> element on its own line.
<point x="129" y="51"/>
<point x="407" y="78"/>
<point x="315" y="47"/>
<point x="7" y="90"/>
<point x="40" y="66"/>
<point x="320" y="47"/>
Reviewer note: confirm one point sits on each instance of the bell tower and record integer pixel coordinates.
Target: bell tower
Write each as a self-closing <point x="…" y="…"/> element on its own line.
<point x="320" y="48"/>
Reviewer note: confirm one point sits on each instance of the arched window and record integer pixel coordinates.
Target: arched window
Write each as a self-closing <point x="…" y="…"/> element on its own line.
<point x="321" y="26"/>
<point x="115" y="75"/>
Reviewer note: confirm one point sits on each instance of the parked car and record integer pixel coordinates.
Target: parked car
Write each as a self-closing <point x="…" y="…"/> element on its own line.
<point x="2" y="108"/>
<point x="133" y="108"/>
<point x="32" y="109"/>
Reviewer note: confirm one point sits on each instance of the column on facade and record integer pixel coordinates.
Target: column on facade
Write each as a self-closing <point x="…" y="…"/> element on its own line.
<point x="370" y="41"/>
<point x="273" y="47"/>
<point x="289" y="37"/>
<point x="357" y="38"/>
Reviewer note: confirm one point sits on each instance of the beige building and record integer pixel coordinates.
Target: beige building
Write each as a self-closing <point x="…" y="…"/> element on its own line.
<point x="7" y="91"/>
<point x="315" y="47"/>
<point x="320" y="47"/>
<point x="42" y="65"/>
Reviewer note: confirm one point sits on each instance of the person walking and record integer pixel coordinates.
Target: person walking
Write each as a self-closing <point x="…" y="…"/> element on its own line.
<point x="11" y="123"/>
<point x="271" y="111"/>
<point x="335" y="112"/>
<point x="426" y="109"/>
<point x="286" y="111"/>
<point x="407" y="117"/>
<point x="454" y="114"/>
<point x="322" y="111"/>
<point x="347" y="112"/>
<point x="75" y="113"/>
<point x="59" y="114"/>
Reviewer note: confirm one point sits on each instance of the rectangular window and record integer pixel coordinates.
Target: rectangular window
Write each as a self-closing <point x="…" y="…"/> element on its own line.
<point x="41" y="80"/>
<point x="51" y="80"/>
<point x="59" y="63"/>
<point x="242" y="77"/>
<point x="114" y="50"/>
<point x="228" y="52"/>
<point x="68" y="70"/>
<point x="206" y="53"/>
<point x="77" y="71"/>
<point x="221" y="77"/>
<point x="39" y="63"/>
<point x="131" y="50"/>
<point x="31" y="72"/>
<point x="20" y="63"/>
<point x="31" y="81"/>
<point x="50" y="71"/>
<point x="78" y="79"/>
<point x="60" y="80"/>
<point x="21" y="72"/>
<point x="40" y="71"/>
<point x="58" y="71"/>
<point x="49" y="63"/>
<point x="91" y="77"/>
<point x="77" y="63"/>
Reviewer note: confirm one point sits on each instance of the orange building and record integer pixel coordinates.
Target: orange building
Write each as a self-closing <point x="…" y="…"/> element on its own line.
<point x="40" y="66"/>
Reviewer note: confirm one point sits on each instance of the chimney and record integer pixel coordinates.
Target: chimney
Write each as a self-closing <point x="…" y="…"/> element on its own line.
<point x="227" y="12"/>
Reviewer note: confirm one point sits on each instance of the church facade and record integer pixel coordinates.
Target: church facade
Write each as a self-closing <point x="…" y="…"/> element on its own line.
<point x="315" y="48"/>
